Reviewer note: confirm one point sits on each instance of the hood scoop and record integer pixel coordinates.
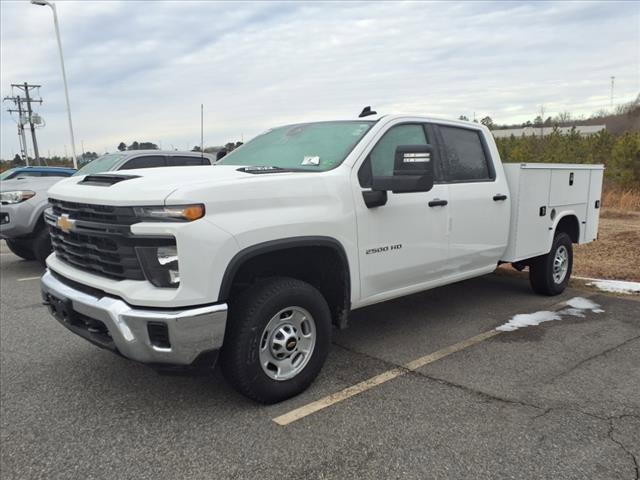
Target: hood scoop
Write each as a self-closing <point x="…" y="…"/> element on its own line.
<point x="105" y="180"/>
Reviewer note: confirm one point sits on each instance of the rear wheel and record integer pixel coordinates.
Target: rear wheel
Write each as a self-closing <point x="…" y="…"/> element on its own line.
<point x="277" y="339"/>
<point x="21" y="248"/>
<point x="550" y="273"/>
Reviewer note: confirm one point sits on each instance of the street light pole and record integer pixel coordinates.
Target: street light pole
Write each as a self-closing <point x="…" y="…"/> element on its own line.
<point x="64" y="74"/>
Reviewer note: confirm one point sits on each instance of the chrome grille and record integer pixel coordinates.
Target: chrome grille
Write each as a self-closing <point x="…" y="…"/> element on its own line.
<point x="100" y="241"/>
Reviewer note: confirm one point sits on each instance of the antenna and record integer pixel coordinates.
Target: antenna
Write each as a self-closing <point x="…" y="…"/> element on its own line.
<point x="613" y="79"/>
<point x="201" y="130"/>
<point x="366" y="111"/>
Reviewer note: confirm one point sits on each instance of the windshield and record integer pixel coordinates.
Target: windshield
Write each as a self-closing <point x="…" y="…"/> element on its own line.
<point x="6" y="174"/>
<point x="305" y="146"/>
<point x="101" y="164"/>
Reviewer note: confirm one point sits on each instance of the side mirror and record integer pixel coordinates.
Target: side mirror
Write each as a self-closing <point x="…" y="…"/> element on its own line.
<point x="220" y="154"/>
<point x="412" y="172"/>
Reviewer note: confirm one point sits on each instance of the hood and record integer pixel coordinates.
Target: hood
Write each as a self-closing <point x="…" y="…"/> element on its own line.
<point x="37" y="184"/>
<point x="152" y="186"/>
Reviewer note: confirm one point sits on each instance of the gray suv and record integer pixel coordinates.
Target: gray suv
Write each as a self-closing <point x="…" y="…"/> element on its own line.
<point x="145" y="159"/>
<point x="24" y="200"/>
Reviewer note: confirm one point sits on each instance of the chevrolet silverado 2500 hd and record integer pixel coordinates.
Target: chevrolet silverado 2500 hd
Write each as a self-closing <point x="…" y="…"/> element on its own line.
<point x="256" y="258"/>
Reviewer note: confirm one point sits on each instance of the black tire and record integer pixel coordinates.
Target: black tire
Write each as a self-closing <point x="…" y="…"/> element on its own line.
<point x="541" y="269"/>
<point x="21" y="248"/>
<point x="41" y="244"/>
<point x="249" y="315"/>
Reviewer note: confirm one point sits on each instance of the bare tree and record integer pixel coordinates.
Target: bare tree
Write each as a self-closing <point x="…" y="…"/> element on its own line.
<point x="563" y="117"/>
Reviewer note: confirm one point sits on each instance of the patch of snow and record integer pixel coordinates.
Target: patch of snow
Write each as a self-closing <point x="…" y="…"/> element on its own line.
<point x="528" y="319"/>
<point x="577" y="307"/>
<point x="583" y="304"/>
<point x="616" y="286"/>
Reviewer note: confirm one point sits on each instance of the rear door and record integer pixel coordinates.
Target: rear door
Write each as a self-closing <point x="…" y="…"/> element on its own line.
<point x="403" y="243"/>
<point x="479" y="207"/>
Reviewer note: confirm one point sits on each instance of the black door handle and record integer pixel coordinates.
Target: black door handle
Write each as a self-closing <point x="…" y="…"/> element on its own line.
<point x="499" y="197"/>
<point x="437" y="203"/>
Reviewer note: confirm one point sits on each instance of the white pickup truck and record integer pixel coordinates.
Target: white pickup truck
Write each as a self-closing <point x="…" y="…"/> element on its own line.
<point x="258" y="257"/>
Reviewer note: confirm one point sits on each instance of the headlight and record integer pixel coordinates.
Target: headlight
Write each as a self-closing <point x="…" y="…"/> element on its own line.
<point x="160" y="265"/>
<point x="16" y="196"/>
<point x="178" y="213"/>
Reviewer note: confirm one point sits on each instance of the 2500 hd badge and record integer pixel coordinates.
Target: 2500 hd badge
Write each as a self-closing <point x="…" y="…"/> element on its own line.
<point x="386" y="248"/>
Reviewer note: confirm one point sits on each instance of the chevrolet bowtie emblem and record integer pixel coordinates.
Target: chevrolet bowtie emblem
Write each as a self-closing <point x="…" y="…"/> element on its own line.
<point x="65" y="223"/>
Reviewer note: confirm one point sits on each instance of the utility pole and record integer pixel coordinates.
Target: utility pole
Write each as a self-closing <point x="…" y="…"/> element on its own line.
<point x="17" y="101"/>
<point x="64" y="73"/>
<point x="613" y="79"/>
<point x="201" y="130"/>
<point x="28" y="100"/>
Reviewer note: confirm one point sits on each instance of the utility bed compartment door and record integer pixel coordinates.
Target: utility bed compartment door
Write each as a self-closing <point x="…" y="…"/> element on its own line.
<point x="529" y="227"/>
<point x="593" y="206"/>
<point x="569" y="187"/>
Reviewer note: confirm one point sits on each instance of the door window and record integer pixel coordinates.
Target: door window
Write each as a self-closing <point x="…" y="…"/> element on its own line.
<point x="464" y="154"/>
<point x="380" y="161"/>
<point x="149" y="161"/>
<point x="27" y="174"/>
<point x="177" y="161"/>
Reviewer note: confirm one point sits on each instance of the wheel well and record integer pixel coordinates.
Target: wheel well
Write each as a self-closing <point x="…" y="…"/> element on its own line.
<point x="570" y="226"/>
<point x="324" y="267"/>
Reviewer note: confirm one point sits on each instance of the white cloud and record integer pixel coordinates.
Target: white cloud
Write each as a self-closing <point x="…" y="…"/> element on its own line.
<point x="139" y="70"/>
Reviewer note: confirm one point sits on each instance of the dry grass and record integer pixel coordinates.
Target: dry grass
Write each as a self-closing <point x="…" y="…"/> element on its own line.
<point x="616" y="253"/>
<point x="621" y="200"/>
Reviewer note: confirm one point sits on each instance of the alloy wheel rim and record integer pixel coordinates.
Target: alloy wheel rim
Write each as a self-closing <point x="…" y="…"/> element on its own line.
<point x="560" y="264"/>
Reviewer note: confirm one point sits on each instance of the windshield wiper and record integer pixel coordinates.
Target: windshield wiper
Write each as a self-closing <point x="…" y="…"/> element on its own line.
<point x="269" y="169"/>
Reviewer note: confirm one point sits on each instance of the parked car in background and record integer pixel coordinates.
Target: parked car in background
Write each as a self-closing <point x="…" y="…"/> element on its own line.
<point x="21" y="172"/>
<point x="145" y="159"/>
<point x="22" y="204"/>
<point x="24" y="200"/>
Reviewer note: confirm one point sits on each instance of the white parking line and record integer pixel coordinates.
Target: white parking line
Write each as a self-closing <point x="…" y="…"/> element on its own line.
<point x="349" y="392"/>
<point x="27" y="279"/>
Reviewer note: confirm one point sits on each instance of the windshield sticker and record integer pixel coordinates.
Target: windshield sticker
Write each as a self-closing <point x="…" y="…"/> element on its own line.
<point x="311" y="161"/>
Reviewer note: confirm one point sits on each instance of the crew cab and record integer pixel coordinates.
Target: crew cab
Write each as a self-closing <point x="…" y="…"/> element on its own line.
<point x="256" y="259"/>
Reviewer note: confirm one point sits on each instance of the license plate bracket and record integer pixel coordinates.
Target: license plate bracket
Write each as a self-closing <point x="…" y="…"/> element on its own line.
<point x="61" y="308"/>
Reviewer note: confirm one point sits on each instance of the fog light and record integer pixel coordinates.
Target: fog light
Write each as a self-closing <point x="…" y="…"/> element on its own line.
<point x="160" y="265"/>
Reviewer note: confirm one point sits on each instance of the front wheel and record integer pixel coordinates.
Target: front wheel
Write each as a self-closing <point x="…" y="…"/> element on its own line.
<point x="21" y="248"/>
<point x="41" y="244"/>
<point x="277" y="339"/>
<point x="550" y="273"/>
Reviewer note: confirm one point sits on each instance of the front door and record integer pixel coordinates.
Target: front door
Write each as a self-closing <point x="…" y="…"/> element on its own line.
<point x="402" y="244"/>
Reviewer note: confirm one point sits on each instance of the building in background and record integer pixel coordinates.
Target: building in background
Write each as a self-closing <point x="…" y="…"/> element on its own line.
<point x="584" y="130"/>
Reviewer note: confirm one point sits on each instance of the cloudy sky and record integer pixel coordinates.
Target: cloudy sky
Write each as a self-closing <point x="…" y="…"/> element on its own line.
<point x="140" y="70"/>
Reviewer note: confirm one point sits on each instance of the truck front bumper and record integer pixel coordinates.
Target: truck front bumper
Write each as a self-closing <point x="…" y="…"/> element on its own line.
<point x="164" y="338"/>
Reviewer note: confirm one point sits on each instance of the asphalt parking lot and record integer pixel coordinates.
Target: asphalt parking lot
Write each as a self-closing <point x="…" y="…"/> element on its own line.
<point x="558" y="400"/>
